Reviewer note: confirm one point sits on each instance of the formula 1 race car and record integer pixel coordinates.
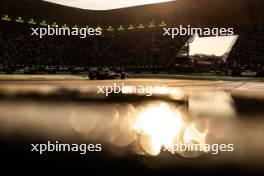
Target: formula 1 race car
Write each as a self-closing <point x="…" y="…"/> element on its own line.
<point x="101" y="74"/>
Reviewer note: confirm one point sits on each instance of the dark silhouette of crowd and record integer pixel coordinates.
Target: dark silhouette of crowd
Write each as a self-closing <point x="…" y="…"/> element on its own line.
<point x="248" y="52"/>
<point x="137" y="50"/>
<point x="121" y="48"/>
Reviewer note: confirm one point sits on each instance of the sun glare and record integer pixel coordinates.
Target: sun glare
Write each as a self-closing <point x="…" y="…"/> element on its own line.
<point x="104" y="4"/>
<point x="217" y="46"/>
<point x="162" y="126"/>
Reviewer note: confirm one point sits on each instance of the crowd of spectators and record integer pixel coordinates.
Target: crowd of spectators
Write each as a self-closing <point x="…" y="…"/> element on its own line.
<point x="140" y="49"/>
<point x="133" y="48"/>
<point x="248" y="52"/>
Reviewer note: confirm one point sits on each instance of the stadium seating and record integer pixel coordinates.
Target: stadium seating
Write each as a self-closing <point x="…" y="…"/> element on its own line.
<point x="247" y="53"/>
<point x="145" y="48"/>
<point x="139" y="50"/>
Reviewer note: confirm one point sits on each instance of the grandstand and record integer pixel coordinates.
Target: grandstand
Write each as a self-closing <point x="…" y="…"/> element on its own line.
<point x="247" y="54"/>
<point x="132" y="37"/>
<point x="147" y="49"/>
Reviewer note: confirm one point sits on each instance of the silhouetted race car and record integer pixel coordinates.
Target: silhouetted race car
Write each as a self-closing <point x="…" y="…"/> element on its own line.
<point x="106" y="73"/>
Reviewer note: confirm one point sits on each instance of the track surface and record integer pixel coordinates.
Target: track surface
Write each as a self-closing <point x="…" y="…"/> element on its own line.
<point x="254" y="89"/>
<point x="39" y="121"/>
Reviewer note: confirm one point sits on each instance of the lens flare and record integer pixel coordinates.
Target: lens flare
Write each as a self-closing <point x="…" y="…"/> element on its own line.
<point x="193" y="136"/>
<point x="162" y="126"/>
<point x="158" y="125"/>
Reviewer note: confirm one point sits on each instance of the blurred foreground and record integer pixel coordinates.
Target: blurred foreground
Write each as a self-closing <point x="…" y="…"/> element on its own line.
<point x="134" y="129"/>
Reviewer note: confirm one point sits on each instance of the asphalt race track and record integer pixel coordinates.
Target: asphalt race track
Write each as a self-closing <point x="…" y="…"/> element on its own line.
<point x="244" y="87"/>
<point x="34" y="109"/>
